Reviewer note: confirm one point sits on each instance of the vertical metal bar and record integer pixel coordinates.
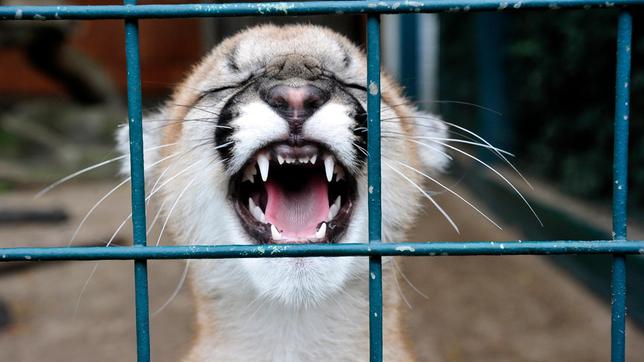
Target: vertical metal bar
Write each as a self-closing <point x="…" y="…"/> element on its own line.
<point x="409" y="36"/>
<point x="375" y="211"/>
<point x="620" y="185"/>
<point x="492" y="87"/>
<point x="138" y="183"/>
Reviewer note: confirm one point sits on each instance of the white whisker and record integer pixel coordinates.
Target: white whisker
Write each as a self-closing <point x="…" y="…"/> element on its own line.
<point x="498" y="153"/>
<point x="498" y="174"/>
<point x="492" y="148"/>
<point x="165" y="223"/>
<point x="455" y="140"/>
<point x="438" y="207"/>
<point x="90" y="168"/>
<point x="82" y="291"/>
<point x="450" y="191"/>
<point x="176" y="290"/>
<point x="91" y="210"/>
<point x="400" y="292"/>
<point x="408" y="281"/>
<point x="156" y="217"/>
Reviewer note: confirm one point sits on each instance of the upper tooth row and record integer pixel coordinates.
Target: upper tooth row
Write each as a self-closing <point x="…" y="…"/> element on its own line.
<point x="263" y="163"/>
<point x="281" y="160"/>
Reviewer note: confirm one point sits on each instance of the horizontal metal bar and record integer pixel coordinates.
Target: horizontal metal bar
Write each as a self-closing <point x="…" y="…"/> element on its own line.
<point x="295" y="8"/>
<point x="548" y="247"/>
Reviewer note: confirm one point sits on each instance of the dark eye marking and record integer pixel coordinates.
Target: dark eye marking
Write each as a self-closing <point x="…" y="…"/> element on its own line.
<point x="331" y="76"/>
<point x="241" y="84"/>
<point x="354" y="86"/>
<point x="219" y="89"/>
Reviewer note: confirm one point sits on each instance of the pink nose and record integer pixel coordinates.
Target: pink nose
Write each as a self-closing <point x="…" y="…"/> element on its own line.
<point x="296" y="103"/>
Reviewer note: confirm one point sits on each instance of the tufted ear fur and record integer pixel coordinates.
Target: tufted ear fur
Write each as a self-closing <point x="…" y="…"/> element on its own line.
<point x="152" y="138"/>
<point x="429" y="129"/>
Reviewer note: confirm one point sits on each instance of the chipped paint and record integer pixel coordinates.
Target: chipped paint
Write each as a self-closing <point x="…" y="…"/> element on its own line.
<point x="373" y="276"/>
<point x="39" y="17"/>
<point x="275" y="8"/>
<point x="517" y="5"/>
<point x="277" y="249"/>
<point x="373" y="88"/>
<point x="414" y="4"/>
<point x="405" y="248"/>
<point x="371" y="189"/>
<point x="502" y="5"/>
<point x="18" y="15"/>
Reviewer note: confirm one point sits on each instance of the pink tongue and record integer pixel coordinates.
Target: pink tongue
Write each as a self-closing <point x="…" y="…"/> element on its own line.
<point x="296" y="213"/>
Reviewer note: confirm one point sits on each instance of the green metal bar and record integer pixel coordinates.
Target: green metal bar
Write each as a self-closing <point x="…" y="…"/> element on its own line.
<point x="620" y="185"/>
<point x="435" y="248"/>
<point x="138" y="184"/>
<point x="375" y="207"/>
<point x="296" y="8"/>
<point x="408" y="70"/>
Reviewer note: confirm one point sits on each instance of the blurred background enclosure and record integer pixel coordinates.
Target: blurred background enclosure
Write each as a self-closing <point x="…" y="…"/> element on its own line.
<point x="538" y="84"/>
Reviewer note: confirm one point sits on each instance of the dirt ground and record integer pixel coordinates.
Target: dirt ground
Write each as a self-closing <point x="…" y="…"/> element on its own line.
<point x="518" y="308"/>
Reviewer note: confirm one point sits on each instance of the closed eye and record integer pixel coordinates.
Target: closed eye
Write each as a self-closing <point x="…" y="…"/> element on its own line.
<point x="241" y="84"/>
<point x="332" y="76"/>
<point x="219" y="89"/>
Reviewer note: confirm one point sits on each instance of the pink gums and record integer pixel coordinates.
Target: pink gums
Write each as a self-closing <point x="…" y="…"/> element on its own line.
<point x="297" y="213"/>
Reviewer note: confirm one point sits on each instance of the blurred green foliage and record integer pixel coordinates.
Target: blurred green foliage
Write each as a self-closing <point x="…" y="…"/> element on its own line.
<point x="560" y="87"/>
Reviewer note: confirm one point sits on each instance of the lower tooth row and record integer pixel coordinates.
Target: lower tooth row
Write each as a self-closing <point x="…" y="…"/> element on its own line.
<point x="276" y="235"/>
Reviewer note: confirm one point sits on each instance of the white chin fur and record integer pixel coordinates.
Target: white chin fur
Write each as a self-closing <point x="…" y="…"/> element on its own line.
<point x="299" y="281"/>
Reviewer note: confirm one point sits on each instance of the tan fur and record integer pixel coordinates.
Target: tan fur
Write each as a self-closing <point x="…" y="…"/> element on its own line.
<point x="212" y="333"/>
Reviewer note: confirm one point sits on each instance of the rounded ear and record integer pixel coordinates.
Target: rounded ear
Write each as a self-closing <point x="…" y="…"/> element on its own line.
<point x="431" y="132"/>
<point x="152" y="137"/>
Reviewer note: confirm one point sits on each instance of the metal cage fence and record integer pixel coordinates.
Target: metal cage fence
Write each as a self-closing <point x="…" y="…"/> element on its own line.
<point x="139" y="252"/>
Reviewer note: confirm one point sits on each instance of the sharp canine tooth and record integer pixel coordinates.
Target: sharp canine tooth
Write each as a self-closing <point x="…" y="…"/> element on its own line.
<point x="262" y="161"/>
<point x="313" y="159"/>
<point x="280" y="159"/>
<point x="328" y="167"/>
<point x="321" y="231"/>
<point x="339" y="173"/>
<point x="249" y="174"/>
<point x="256" y="211"/>
<point x="333" y="210"/>
<point x="274" y="233"/>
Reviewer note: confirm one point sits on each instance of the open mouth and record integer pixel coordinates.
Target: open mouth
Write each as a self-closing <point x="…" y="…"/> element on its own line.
<point x="294" y="194"/>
